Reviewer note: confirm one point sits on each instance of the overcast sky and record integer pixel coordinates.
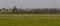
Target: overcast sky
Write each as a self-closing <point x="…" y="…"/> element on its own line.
<point x="30" y="3"/>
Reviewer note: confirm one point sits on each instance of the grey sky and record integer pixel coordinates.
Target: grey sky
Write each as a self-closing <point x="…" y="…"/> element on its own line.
<point x="30" y="3"/>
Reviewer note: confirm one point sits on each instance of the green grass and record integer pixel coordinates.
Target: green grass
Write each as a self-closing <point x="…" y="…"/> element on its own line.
<point x="30" y="20"/>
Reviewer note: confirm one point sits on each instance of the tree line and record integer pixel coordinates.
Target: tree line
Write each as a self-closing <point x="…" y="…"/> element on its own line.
<point x="16" y="10"/>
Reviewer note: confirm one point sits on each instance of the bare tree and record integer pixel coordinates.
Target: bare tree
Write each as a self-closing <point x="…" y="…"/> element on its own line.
<point x="14" y="9"/>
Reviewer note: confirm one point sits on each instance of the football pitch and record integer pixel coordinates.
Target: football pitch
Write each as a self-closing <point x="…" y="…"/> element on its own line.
<point x="29" y="19"/>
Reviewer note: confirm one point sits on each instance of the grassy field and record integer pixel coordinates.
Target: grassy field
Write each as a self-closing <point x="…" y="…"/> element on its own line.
<point x="30" y="20"/>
